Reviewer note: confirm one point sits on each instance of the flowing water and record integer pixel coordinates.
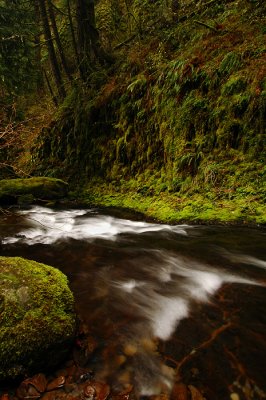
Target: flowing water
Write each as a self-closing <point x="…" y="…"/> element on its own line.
<point x="162" y="301"/>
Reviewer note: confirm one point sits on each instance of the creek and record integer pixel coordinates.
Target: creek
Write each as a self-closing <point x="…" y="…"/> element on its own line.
<point x="163" y="302"/>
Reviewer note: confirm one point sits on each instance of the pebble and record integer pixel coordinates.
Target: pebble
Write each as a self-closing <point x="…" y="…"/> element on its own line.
<point x="163" y="396"/>
<point x="33" y="393"/>
<point x="27" y="393"/>
<point x="39" y="381"/>
<point x="61" y="372"/>
<point x="119" y="360"/>
<point x="180" y="392"/>
<point x="130" y="349"/>
<point x="89" y="392"/>
<point x="56" y="383"/>
<point x="195" y="393"/>
<point x="31" y="388"/>
<point x="120" y="397"/>
<point x="4" y="396"/>
<point x="234" y="396"/>
<point x="49" y="396"/>
<point x="70" y="387"/>
<point x="128" y="387"/>
<point x="102" y="390"/>
<point x="91" y="345"/>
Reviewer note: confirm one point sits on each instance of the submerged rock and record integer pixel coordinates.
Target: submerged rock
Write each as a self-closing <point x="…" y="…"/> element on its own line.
<point x="37" y="319"/>
<point x="13" y="191"/>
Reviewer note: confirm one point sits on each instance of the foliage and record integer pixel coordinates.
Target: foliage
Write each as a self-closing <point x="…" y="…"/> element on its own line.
<point x="18" y="72"/>
<point x="180" y="114"/>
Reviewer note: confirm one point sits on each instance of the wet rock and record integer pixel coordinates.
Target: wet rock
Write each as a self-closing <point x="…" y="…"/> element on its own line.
<point x="180" y="392"/>
<point x="130" y="349"/>
<point x="91" y="345"/>
<point x="56" y="383"/>
<point x="124" y="394"/>
<point x="39" y="381"/>
<point x="61" y="372"/>
<point x="51" y="395"/>
<point x="119" y="396"/>
<point x="162" y="396"/>
<point x="70" y="387"/>
<point x="89" y="392"/>
<point x="234" y="396"/>
<point x="84" y="349"/>
<point x="27" y="391"/>
<point x="195" y="393"/>
<point x="4" y="396"/>
<point x="34" y="298"/>
<point x="85" y="376"/>
<point x="102" y="390"/>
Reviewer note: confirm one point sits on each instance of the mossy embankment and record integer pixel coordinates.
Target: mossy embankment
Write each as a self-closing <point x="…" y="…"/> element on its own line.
<point x="176" y="128"/>
<point x="168" y="207"/>
<point x="28" y="190"/>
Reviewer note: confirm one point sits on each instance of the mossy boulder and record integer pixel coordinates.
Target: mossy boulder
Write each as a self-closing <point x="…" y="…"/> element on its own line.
<point x="20" y="190"/>
<point x="37" y="318"/>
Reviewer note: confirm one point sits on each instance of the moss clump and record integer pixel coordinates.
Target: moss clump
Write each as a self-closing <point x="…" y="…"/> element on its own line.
<point x="37" y="319"/>
<point x="234" y="85"/>
<point x="12" y="190"/>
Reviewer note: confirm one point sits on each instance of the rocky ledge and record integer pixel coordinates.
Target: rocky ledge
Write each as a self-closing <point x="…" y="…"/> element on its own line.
<point x="21" y="191"/>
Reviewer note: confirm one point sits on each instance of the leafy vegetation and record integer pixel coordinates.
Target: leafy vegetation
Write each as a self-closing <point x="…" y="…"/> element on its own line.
<point x="169" y="117"/>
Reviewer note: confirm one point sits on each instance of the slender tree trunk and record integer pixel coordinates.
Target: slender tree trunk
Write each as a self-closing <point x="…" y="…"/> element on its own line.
<point x="74" y="42"/>
<point x="58" y="40"/>
<point x="37" y="41"/>
<point x="87" y="35"/>
<point x="50" y="88"/>
<point x="51" y="50"/>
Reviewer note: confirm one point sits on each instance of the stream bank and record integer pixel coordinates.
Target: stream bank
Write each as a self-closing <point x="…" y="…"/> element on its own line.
<point x="173" y="208"/>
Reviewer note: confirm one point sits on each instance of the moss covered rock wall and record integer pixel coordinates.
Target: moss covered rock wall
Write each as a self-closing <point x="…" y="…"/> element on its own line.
<point x="183" y="112"/>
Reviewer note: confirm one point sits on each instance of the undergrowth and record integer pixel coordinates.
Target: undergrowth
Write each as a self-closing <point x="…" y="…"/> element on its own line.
<point x="177" y="127"/>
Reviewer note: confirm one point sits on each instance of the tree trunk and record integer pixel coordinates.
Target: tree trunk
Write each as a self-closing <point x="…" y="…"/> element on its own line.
<point x="58" y="40"/>
<point x="37" y="41"/>
<point x="74" y="42"/>
<point x="50" y="89"/>
<point x="51" y="50"/>
<point x="87" y="35"/>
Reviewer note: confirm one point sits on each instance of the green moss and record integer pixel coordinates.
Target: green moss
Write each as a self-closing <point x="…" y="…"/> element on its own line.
<point x="217" y="205"/>
<point x="230" y="63"/>
<point x="25" y="190"/>
<point x="180" y="121"/>
<point x="234" y="85"/>
<point x="37" y="320"/>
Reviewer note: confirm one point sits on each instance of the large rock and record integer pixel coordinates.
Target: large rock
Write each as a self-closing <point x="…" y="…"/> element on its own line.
<point x="13" y="191"/>
<point x="37" y="319"/>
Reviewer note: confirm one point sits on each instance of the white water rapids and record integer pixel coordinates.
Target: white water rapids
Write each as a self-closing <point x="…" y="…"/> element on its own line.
<point x="158" y="286"/>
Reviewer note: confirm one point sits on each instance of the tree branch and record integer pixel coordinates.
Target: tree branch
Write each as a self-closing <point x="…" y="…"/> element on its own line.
<point x="206" y="25"/>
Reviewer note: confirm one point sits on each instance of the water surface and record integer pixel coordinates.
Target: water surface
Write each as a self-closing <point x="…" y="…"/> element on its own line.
<point x="163" y="301"/>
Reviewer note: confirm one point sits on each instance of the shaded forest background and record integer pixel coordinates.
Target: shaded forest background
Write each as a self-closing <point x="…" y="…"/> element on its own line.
<point x="156" y="100"/>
